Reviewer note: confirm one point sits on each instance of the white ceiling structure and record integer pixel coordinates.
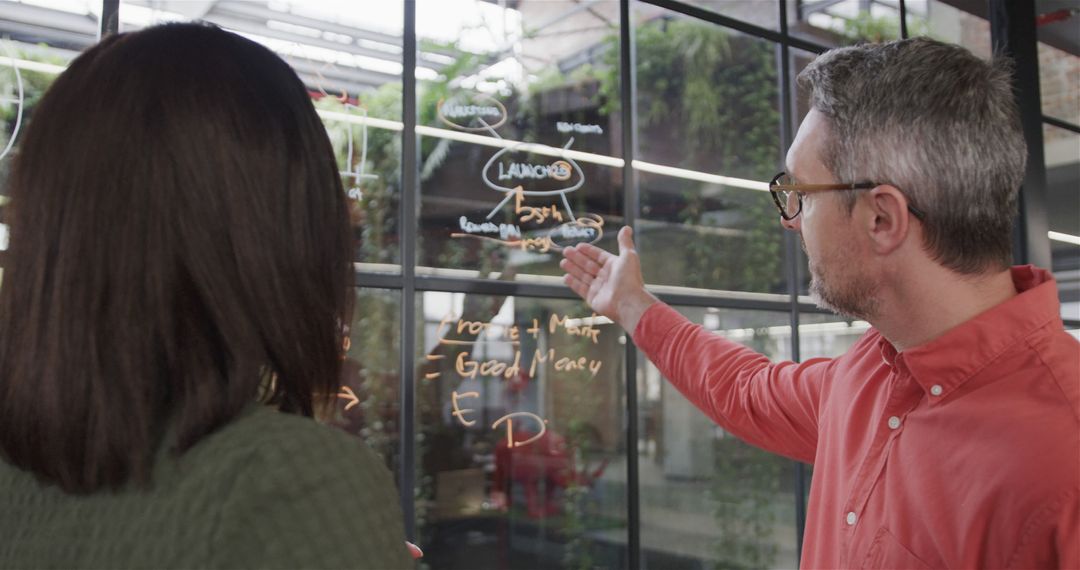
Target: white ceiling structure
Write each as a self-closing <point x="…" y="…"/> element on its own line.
<point x="355" y="45"/>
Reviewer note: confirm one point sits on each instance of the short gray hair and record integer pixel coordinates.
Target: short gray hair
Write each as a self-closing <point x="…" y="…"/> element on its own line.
<point x="938" y="123"/>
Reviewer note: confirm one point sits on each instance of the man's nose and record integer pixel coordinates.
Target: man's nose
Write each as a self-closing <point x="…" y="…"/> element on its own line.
<point x="793" y="225"/>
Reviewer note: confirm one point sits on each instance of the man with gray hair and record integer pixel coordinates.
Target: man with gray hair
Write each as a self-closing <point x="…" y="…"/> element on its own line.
<point x="949" y="434"/>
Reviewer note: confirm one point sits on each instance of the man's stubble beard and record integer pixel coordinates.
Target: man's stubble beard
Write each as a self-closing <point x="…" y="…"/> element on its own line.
<point x="854" y="296"/>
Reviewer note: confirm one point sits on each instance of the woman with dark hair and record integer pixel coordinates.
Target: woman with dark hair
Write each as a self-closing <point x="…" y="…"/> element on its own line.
<point x="171" y="319"/>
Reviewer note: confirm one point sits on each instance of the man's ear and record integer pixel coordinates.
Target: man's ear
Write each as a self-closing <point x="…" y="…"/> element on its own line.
<point x="889" y="219"/>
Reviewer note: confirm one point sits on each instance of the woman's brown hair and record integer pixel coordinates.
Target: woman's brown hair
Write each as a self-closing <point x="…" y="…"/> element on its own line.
<point x="178" y="237"/>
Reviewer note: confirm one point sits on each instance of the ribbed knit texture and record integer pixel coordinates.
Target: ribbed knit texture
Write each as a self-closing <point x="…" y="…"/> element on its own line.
<point x="269" y="490"/>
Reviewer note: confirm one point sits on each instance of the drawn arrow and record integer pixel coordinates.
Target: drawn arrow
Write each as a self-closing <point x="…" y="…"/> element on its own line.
<point x="347" y="394"/>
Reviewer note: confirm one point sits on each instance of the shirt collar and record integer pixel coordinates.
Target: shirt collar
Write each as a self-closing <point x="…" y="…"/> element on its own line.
<point x="945" y="363"/>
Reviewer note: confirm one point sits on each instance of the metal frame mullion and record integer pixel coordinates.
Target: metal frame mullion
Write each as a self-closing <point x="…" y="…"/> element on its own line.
<point x="732" y="303"/>
<point x="791" y="255"/>
<point x="377" y="280"/>
<point x="631" y="203"/>
<point x="493" y="287"/>
<point x="410" y="151"/>
<point x="738" y="25"/>
<point x="520" y="289"/>
<point x="903" y="20"/>
<point x="110" y="18"/>
<point x="1012" y="33"/>
<point x="1061" y="124"/>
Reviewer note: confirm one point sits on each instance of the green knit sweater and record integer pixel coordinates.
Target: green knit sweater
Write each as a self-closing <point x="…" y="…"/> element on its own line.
<point x="269" y="490"/>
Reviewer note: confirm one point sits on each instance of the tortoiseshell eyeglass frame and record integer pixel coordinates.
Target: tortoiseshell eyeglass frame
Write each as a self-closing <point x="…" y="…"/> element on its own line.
<point x="781" y="194"/>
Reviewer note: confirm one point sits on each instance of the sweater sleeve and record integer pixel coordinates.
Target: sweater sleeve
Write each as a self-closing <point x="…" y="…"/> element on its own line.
<point x="770" y="405"/>
<point x="313" y="498"/>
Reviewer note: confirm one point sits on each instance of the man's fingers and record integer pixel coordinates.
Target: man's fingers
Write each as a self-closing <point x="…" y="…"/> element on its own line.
<point x="597" y="255"/>
<point x="626" y="240"/>
<point x="579" y="272"/>
<point x="591" y="267"/>
<point x="584" y="262"/>
<point x="589" y="251"/>
<point x="576" y="285"/>
<point x="574" y="270"/>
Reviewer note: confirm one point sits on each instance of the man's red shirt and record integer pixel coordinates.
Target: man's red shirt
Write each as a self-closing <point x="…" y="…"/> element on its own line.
<point x="961" y="452"/>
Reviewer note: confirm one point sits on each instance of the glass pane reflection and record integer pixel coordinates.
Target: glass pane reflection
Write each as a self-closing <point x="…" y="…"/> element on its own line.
<point x="763" y="13"/>
<point x="1058" y="73"/>
<point x="844" y="22"/>
<point x="1062" y="152"/>
<point x="369" y="404"/>
<point x="520" y="453"/>
<point x="350" y="62"/>
<point x="827" y="335"/>
<point x="26" y="72"/>
<point x="708" y="500"/>
<point x="941" y="21"/>
<point x="708" y="102"/>
<point x="520" y="138"/>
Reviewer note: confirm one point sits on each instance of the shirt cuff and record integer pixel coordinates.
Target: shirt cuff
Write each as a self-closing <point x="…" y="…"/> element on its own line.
<point x="654" y="327"/>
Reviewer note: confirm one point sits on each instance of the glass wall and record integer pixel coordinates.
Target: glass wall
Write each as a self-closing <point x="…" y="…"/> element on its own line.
<point x="30" y="61"/>
<point x="1059" y="74"/>
<point x="370" y="397"/>
<point x="844" y="22"/>
<point x="351" y="62"/>
<point x="708" y="137"/>
<point x="749" y="11"/>
<point x="476" y="139"/>
<point x="1062" y="151"/>
<point x="708" y="500"/>
<point x="519" y="137"/>
<point x="520" y="451"/>
<point x="942" y="21"/>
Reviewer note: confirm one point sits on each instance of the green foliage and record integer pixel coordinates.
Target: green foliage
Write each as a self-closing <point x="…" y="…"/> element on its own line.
<point x="580" y="396"/>
<point x="375" y="331"/>
<point x="34" y="84"/>
<point x="430" y="92"/>
<point x="373" y="212"/>
<point x="745" y="495"/>
<point x="376" y="343"/>
<point x="869" y="28"/>
<point x="707" y="97"/>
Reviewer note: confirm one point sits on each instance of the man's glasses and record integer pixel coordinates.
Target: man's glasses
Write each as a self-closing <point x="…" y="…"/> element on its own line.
<point x="788" y="194"/>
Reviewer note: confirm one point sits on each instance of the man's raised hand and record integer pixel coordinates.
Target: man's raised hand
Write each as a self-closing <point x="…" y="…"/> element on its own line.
<point x="611" y="284"/>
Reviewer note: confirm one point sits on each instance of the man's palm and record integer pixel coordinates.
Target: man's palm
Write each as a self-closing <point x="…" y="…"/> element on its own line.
<point x="611" y="284"/>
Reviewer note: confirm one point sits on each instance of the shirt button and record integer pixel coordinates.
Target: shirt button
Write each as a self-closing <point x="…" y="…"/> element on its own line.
<point x="935" y="389"/>
<point x="851" y="518"/>
<point x="894" y="422"/>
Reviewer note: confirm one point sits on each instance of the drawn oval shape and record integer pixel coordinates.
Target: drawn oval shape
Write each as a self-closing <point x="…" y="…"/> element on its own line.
<point x="17" y="102"/>
<point x="588" y="228"/>
<point x="462" y="110"/>
<point x="558" y="169"/>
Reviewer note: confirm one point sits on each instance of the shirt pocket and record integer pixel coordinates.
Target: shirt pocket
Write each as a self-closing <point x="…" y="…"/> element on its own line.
<point x="887" y="552"/>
